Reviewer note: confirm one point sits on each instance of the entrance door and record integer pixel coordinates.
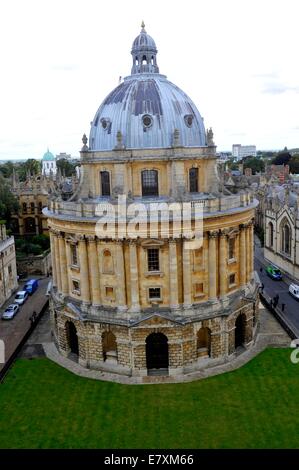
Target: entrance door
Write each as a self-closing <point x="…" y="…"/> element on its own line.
<point x="73" y="338"/>
<point x="239" y="331"/>
<point x="157" y="351"/>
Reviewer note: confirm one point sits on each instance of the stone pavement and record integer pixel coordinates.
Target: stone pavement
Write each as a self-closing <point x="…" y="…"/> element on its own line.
<point x="270" y="334"/>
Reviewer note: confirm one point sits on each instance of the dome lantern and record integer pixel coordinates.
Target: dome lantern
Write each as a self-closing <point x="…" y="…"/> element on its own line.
<point x="144" y="53"/>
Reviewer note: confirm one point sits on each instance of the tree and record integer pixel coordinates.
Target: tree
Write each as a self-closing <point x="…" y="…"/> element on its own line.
<point x="30" y="166"/>
<point x="66" y="167"/>
<point x="8" y="202"/>
<point x="282" y="158"/>
<point x="7" y="169"/>
<point x="256" y="164"/>
<point x="294" y="164"/>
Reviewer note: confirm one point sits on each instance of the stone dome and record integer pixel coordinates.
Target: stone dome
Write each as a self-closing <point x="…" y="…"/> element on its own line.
<point x="146" y="110"/>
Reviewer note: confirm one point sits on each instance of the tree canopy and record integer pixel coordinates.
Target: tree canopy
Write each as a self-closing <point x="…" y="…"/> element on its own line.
<point x="256" y="164"/>
<point x="8" y="202"/>
<point x="66" y="167"/>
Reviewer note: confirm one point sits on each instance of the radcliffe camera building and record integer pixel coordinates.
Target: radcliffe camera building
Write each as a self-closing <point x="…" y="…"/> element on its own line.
<point x="150" y="304"/>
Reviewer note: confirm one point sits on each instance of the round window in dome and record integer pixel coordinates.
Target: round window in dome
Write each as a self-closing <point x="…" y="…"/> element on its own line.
<point x="188" y="120"/>
<point x="105" y="123"/>
<point x="147" y="120"/>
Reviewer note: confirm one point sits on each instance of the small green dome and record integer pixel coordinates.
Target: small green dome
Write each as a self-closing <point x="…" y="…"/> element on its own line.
<point x="48" y="156"/>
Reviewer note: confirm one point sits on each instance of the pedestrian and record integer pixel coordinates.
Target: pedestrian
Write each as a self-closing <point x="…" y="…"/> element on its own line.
<point x="262" y="287"/>
<point x="282" y="307"/>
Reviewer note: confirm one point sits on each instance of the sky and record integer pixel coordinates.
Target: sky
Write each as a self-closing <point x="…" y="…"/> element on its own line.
<point x="237" y="60"/>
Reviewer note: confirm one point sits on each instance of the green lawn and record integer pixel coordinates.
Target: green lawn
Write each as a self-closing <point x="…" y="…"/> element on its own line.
<point x="44" y="406"/>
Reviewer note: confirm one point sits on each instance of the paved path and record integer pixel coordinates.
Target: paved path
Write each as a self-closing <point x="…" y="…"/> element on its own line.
<point x="270" y="334"/>
<point x="13" y="331"/>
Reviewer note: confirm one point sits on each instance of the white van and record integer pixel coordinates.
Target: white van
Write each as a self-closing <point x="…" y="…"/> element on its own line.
<point x="294" y="291"/>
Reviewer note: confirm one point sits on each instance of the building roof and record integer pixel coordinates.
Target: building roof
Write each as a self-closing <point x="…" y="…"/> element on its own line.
<point x="146" y="110"/>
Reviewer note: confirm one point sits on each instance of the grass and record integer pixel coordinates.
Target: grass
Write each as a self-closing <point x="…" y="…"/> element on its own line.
<point x="45" y="406"/>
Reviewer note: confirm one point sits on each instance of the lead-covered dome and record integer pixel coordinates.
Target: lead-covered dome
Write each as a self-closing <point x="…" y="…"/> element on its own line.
<point x="146" y="110"/>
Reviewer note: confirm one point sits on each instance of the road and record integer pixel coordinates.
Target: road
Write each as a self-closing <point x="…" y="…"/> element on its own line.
<point x="13" y="331"/>
<point x="272" y="288"/>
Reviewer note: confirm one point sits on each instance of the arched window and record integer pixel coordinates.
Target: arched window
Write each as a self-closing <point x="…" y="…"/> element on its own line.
<point x="107" y="262"/>
<point x="24" y="205"/>
<point x="271" y="234"/>
<point x="149" y="182"/>
<point x="193" y="180"/>
<point x="105" y="183"/>
<point x="203" y="342"/>
<point x="231" y="248"/>
<point x="32" y="207"/>
<point x="286" y="238"/>
<point x="40" y="207"/>
<point x="144" y="61"/>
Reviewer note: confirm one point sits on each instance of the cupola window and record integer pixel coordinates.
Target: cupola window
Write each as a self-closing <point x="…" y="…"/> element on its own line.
<point x="147" y="120"/>
<point x="188" y="120"/>
<point x="105" y="183"/>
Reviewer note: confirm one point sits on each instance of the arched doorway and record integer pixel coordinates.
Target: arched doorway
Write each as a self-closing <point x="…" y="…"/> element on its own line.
<point x="157" y="351"/>
<point x="240" y="330"/>
<point x="204" y="342"/>
<point x="71" y="332"/>
<point x="30" y="225"/>
<point x="109" y="346"/>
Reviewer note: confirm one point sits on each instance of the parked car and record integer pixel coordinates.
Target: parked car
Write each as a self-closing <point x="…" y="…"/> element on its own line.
<point x="294" y="291"/>
<point x="10" y="312"/>
<point x="21" y="297"/>
<point x="274" y="272"/>
<point x="31" y="286"/>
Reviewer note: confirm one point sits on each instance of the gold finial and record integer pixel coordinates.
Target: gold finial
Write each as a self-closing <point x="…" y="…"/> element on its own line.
<point x="142" y="25"/>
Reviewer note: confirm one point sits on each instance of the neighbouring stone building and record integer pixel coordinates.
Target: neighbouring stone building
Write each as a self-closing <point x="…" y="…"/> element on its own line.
<point x="141" y="298"/>
<point x="281" y="224"/>
<point x="8" y="269"/>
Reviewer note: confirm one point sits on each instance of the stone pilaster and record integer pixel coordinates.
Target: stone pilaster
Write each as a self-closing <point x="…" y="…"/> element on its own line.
<point x="84" y="274"/>
<point x="121" y="279"/>
<point x="223" y="263"/>
<point x="52" y="244"/>
<point x="63" y="265"/>
<point x="134" y="281"/>
<point x="242" y="256"/>
<point x="94" y="273"/>
<point x="187" y="283"/>
<point x="173" y="275"/>
<point x="57" y="262"/>
<point x="213" y="235"/>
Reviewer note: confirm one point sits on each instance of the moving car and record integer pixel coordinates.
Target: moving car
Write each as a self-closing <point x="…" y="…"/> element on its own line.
<point x="294" y="291"/>
<point x="31" y="286"/>
<point x="21" y="297"/>
<point x="274" y="272"/>
<point x="10" y="312"/>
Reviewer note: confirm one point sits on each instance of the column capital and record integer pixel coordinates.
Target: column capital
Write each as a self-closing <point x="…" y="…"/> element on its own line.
<point x="60" y="234"/>
<point x="224" y="233"/>
<point x="213" y="233"/>
<point x="80" y="238"/>
<point x="90" y="238"/>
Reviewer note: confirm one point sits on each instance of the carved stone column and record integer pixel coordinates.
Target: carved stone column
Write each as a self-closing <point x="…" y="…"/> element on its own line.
<point x="213" y="235"/>
<point x="94" y="273"/>
<point x="187" y="283"/>
<point x="173" y="275"/>
<point x="242" y="256"/>
<point x="52" y="244"/>
<point x="121" y="278"/>
<point x="223" y="263"/>
<point x="251" y="249"/>
<point x="135" y="305"/>
<point x="84" y="274"/>
<point x="63" y="265"/>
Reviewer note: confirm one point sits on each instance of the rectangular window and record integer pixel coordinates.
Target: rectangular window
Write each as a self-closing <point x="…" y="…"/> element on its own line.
<point x="109" y="292"/>
<point x="154" y="293"/>
<point x="9" y="270"/>
<point x="74" y="255"/>
<point x="232" y="279"/>
<point x="193" y="180"/>
<point x="76" y="287"/>
<point x="198" y="259"/>
<point x="105" y="183"/>
<point x="149" y="181"/>
<point x="231" y="248"/>
<point x="198" y="289"/>
<point x="153" y="259"/>
<point x="32" y="207"/>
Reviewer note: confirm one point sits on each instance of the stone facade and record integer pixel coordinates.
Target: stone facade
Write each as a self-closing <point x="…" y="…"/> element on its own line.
<point x="132" y="293"/>
<point x="8" y="269"/>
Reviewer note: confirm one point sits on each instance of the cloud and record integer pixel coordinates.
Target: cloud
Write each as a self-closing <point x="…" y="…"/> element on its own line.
<point x="279" y="88"/>
<point x="65" y="67"/>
